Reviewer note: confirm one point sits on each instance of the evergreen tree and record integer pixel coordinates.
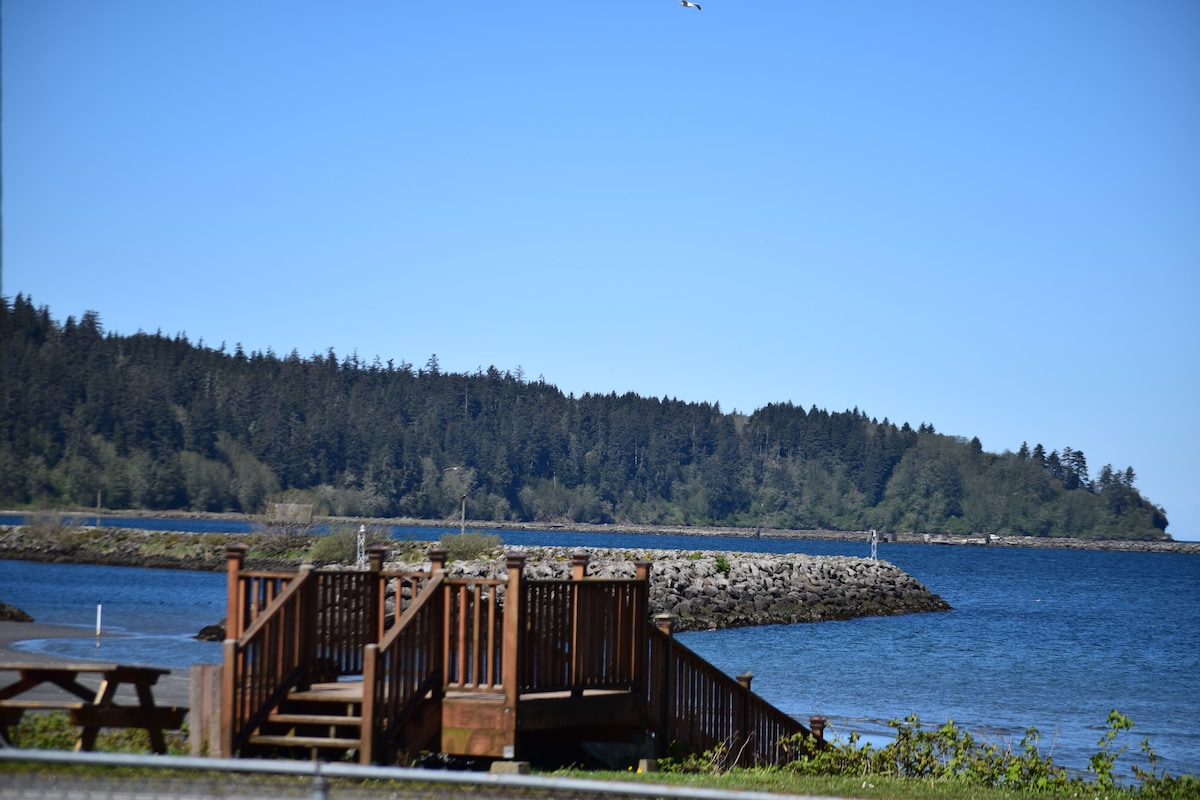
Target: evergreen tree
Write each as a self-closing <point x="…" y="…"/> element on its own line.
<point x="157" y="422"/>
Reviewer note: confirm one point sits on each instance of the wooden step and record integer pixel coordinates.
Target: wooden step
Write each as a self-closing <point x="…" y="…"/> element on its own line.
<point x="332" y="720"/>
<point x="347" y="692"/>
<point x="306" y="741"/>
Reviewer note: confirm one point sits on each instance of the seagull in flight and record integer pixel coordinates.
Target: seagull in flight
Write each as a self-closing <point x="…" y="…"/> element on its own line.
<point x="687" y="4"/>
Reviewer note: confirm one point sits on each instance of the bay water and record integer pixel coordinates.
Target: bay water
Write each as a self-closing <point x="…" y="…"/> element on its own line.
<point x="1038" y="637"/>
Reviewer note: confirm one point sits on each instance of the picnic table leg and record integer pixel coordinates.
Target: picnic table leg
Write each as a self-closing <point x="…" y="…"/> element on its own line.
<point x="146" y="698"/>
<point x="9" y="718"/>
<point x="104" y="697"/>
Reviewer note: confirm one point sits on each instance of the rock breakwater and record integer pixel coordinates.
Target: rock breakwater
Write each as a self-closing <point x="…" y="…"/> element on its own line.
<point x="707" y="590"/>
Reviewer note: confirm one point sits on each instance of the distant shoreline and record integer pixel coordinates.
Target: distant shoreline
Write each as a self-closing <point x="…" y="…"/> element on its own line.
<point x="885" y="537"/>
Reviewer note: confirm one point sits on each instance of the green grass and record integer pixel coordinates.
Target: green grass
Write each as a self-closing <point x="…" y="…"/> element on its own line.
<point x="53" y="731"/>
<point x="783" y="782"/>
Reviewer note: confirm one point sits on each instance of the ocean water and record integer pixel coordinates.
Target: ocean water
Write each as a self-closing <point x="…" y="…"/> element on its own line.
<point x="1046" y="638"/>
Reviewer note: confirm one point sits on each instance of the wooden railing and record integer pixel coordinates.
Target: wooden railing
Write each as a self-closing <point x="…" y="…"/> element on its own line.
<point x="402" y="670"/>
<point x="257" y="589"/>
<point x="346" y="621"/>
<point x="473" y="635"/>
<point x="273" y="655"/>
<point x="582" y="634"/>
<point x="694" y="704"/>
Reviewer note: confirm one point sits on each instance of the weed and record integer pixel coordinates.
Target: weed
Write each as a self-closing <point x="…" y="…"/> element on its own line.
<point x="340" y="546"/>
<point x="471" y="545"/>
<point x="950" y="753"/>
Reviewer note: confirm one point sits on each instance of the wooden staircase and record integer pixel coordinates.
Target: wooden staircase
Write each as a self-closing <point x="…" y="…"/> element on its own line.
<point x="317" y="666"/>
<point x="325" y="720"/>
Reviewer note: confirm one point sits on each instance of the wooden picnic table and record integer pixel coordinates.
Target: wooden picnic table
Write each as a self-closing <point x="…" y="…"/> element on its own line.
<point x="91" y="708"/>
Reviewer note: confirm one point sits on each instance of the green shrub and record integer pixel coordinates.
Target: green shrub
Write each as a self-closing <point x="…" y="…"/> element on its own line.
<point x="950" y="753"/>
<point x="723" y="565"/>
<point x="340" y="546"/>
<point x="471" y="545"/>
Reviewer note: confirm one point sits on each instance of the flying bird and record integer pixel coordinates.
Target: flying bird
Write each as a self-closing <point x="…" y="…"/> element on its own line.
<point x="687" y="4"/>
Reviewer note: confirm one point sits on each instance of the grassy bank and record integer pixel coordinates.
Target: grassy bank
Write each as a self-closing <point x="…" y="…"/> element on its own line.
<point x="921" y="764"/>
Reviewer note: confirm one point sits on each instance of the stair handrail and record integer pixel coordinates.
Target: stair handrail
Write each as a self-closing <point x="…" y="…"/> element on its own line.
<point x="403" y="670"/>
<point x="265" y="662"/>
<point x="694" y="704"/>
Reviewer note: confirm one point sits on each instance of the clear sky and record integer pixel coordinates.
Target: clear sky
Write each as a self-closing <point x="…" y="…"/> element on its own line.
<point x="981" y="215"/>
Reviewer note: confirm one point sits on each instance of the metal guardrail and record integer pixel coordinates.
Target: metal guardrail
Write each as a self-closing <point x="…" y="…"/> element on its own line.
<point x="322" y="772"/>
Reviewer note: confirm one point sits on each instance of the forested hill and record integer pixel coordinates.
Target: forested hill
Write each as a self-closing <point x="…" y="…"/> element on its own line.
<point x="154" y="422"/>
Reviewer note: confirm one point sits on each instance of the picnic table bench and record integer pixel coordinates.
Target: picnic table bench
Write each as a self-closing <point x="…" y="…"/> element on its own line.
<point x="90" y="708"/>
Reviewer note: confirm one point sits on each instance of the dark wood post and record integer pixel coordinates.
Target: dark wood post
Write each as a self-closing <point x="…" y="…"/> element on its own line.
<point x="366" y="726"/>
<point x="437" y="558"/>
<point x="377" y="596"/>
<point x="639" y="636"/>
<point x="665" y="622"/>
<point x="579" y="565"/>
<point x="228" y="687"/>
<point x="816" y="724"/>
<point x="513" y="595"/>
<point x="235" y="555"/>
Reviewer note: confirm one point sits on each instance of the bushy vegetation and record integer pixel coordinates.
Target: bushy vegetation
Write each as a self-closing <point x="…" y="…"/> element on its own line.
<point x="471" y="545"/>
<point x="147" y="421"/>
<point x="340" y="545"/>
<point x="952" y="755"/>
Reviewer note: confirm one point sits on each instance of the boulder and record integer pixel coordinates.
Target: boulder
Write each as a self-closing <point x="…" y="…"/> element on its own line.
<point x="13" y="614"/>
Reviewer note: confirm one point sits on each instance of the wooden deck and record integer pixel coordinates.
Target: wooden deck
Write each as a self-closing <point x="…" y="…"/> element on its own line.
<point x="315" y="666"/>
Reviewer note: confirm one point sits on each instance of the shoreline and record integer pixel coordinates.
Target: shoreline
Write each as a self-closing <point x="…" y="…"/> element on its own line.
<point x="885" y="537"/>
<point x="173" y="689"/>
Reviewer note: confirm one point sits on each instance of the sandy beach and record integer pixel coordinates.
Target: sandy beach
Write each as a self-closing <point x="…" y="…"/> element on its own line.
<point x="171" y="690"/>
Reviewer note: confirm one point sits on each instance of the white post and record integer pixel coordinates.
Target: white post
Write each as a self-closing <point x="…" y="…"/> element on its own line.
<point x="362" y="546"/>
<point x="98" y="606"/>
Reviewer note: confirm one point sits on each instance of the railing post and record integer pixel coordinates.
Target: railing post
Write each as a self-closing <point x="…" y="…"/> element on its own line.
<point x="235" y="555"/>
<point x="641" y="641"/>
<point x="307" y="636"/>
<point x="229" y="704"/>
<point x="579" y="565"/>
<point x="437" y="559"/>
<point x="665" y="622"/>
<point x="513" y="596"/>
<point x="816" y="724"/>
<point x="375" y="556"/>
<point x="367" y="727"/>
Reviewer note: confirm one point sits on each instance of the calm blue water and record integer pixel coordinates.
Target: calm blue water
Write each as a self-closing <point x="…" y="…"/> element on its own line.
<point x="1048" y="638"/>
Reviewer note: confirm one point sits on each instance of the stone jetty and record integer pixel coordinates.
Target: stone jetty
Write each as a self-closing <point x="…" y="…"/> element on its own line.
<point x="707" y="590"/>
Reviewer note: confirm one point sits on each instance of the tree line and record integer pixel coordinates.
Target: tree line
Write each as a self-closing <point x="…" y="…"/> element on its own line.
<point x="148" y="421"/>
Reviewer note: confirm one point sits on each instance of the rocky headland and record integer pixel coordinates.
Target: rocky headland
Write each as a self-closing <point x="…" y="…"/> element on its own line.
<point x="707" y="590"/>
<point x="704" y="589"/>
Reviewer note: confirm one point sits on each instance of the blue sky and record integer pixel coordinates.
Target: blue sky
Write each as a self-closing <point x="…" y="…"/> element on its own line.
<point x="982" y="215"/>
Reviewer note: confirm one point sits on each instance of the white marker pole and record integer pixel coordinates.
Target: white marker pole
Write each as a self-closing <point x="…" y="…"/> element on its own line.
<point x="98" y="605"/>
